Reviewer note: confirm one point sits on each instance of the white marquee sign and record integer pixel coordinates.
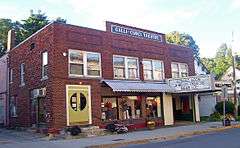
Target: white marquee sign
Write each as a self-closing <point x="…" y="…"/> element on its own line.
<point x="192" y="84"/>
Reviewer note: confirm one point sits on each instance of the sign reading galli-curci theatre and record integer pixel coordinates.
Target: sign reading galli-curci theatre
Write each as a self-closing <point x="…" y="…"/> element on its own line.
<point x="136" y="33"/>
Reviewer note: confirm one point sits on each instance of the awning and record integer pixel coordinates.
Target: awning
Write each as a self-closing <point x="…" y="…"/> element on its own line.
<point x="138" y="86"/>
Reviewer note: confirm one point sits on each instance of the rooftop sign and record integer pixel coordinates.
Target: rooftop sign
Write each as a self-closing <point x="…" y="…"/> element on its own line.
<point x="136" y="33"/>
<point x="192" y="84"/>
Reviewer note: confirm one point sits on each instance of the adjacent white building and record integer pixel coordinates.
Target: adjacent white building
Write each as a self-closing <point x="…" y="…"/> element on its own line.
<point x="3" y="90"/>
<point x="207" y="101"/>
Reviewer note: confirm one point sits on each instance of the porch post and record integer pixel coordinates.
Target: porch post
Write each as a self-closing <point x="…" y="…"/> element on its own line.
<point x="196" y="108"/>
<point x="168" y="109"/>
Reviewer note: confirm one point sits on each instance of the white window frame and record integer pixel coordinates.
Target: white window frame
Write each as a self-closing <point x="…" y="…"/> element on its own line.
<point x="126" y="67"/>
<point x="153" y="69"/>
<point x="13" y="105"/>
<point x="84" y="63"/>
<point x="22" y="74"/>
<point x="11" y="75"/>
<point x="44" y="76"/>
<point x="179" y="69"/>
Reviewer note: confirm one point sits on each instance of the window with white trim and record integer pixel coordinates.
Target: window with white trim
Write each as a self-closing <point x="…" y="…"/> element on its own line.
<point x="179" y="70"/>
<point x="13" y="107"/>
<point x="82" y="63"/>
<point x="125" y="67"/>
<point x="44" y="65"/>
<point x="11" y="75"/>
<point x="22" y="74"/>
<point x="153" y="69"/>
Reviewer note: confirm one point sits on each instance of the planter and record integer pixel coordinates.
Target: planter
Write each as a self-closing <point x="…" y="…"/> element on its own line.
<point x="151" y="125"/>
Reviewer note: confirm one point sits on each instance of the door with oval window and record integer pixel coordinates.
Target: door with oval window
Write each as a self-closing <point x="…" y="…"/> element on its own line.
<point x="78" y="105"/>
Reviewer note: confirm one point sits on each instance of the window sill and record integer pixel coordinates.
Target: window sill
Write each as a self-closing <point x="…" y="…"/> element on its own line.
<point x="44" y="78"/>
<point x="84" y="77"/>
<point x="127" y="79"/>
<point x="14" y="116"/>
<point x="21" y="85"/>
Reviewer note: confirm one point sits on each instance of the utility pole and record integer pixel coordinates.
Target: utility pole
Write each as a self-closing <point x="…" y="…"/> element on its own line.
<point x="234" y="81"/>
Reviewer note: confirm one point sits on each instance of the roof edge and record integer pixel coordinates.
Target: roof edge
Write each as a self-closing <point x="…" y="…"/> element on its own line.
<point x="43" y="28"/>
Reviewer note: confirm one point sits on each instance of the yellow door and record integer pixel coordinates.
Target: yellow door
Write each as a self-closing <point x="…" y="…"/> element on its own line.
<point x="78" y="105"/>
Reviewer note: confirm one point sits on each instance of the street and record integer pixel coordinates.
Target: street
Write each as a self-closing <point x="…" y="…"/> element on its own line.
<point x="228" y="138"/>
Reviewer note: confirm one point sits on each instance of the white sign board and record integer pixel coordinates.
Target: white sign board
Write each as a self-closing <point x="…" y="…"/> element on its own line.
<point x="192" y="83"/>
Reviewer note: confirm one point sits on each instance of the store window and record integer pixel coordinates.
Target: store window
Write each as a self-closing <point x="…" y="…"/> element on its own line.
<point x="179" y="70"/>
<point x="13" y="107"/>
<point x="153" y="107"/>
<point x="125" y="67"/>
<point x="153" y="70"/>
<point x="82" y="63"/>
<point x="109" y="109"/>
<point x="130" y="107"/>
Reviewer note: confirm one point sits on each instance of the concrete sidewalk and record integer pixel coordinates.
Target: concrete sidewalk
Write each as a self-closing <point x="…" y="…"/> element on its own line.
<point x="161" y="133"/>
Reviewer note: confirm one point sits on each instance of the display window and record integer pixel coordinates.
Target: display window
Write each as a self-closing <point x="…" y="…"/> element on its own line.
<point x="153" y="107"/>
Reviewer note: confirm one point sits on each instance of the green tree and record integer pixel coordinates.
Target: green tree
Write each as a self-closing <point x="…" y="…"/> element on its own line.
<point x="33" y="23"/>
<point x="183" y="39"/>
<point x="5" y="26"/>
<point x="61" y="20"/>
<point x="221" y="62"/>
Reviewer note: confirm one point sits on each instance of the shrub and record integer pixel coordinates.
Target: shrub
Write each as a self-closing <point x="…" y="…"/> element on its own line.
<point x="216" y="116"/>
<point x="229" y="107"/>
<point x="238" y="118"/>
<point x="74" y="131"/>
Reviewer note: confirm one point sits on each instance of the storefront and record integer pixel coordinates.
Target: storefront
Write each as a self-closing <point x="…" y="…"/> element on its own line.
<point x="186" y="96"/>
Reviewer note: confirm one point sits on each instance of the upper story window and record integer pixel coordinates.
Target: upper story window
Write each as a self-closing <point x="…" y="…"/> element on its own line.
<point x="22" y="74"/>
<point x="153" y="69"/>
<point x="11" y="75"/>
<point x="179" y="70"/>
<point x="44" y="65"/>
<point x="82" y="63"/>
<point x="125" y="67"/>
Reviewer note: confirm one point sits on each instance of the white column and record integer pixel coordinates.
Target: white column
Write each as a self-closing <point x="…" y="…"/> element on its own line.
<point x="196" y="104"/>
<point x="168" y="109"/>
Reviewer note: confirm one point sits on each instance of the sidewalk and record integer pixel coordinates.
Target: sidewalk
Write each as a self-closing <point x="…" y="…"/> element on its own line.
<point x="140" y="136"/>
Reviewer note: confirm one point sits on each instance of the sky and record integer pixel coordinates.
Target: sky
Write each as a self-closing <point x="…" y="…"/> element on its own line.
<point x="209" y="22"/>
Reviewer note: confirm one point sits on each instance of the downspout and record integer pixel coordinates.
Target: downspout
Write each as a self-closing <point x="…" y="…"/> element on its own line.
<point x="7" y="94"/>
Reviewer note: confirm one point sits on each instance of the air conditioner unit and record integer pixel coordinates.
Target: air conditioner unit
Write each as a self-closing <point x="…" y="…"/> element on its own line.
<point x="39" y="93"/>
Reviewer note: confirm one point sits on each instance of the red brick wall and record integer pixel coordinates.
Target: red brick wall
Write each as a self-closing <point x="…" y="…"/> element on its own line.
<point x="57" y="39"/>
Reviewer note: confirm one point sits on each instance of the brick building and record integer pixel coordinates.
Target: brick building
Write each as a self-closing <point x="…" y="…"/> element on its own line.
<point x="67" y="75"/>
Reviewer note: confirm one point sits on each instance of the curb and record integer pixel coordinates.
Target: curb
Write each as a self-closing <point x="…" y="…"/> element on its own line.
<point x="164" y="138"/>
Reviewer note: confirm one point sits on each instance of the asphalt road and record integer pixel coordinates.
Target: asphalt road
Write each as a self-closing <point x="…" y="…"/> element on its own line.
<point x="226" y="139"/>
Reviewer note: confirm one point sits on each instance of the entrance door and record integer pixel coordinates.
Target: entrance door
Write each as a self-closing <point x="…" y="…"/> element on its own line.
<point x="78" y="105"/>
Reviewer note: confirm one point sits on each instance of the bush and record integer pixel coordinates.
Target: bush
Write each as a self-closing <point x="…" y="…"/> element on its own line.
<point x="229" y="107"/>
<point x="216" y="116"/>
<point x="238" y="118"/>
<point x="74" y="131"/>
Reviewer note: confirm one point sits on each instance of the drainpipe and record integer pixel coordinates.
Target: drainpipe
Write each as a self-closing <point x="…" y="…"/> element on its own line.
<point x="7" y="94"/>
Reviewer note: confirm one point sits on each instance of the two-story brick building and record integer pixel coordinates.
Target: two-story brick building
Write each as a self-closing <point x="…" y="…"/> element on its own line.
<point x="67" y="75"/>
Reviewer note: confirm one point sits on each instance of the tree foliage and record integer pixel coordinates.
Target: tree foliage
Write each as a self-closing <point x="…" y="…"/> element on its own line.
<point x="23" y="29"/>
<point x="185" y="40"/>
<point x="221" y="62"/>
<point x="33" y="23"/>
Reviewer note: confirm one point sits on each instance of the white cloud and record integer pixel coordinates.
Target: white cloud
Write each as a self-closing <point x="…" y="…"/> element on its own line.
<point x="235" y="4"/>
<point x="13" y="12"/>
<point x="140" y="13"/>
